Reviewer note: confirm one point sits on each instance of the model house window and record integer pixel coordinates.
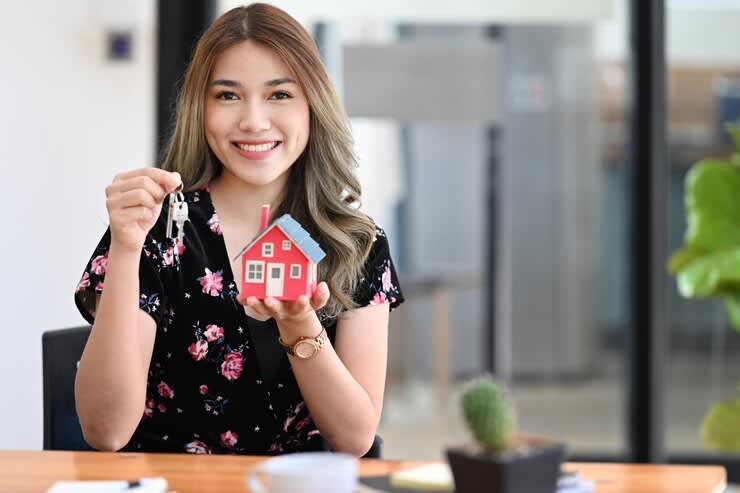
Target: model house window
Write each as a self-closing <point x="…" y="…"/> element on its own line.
<point x="255" y="271"/>
<point x="286" y="244"/>
<point x="295" y="271"/>
<point x="267" y="249"/>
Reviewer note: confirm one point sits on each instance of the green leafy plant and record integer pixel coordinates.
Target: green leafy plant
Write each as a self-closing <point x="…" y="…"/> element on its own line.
<point x="708" y="264"/>
<point x="488" y="414"/>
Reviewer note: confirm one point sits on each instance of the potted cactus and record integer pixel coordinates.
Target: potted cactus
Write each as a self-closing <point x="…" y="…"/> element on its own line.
<point x="502" y="461"/>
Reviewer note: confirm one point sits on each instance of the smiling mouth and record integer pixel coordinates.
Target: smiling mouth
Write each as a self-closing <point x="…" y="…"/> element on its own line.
<point x="258" y="147"/>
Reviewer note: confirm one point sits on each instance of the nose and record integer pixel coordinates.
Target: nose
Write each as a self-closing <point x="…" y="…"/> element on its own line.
<point x="254" y="118"/>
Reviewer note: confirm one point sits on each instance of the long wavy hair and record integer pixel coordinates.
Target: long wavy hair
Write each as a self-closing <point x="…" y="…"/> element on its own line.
<point x="322" y="192"/>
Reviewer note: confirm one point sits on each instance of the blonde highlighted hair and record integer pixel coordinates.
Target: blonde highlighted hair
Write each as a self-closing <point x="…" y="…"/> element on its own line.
<point x="322" y="192"/>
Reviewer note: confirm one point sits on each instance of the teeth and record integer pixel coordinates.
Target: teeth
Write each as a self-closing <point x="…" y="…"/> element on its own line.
<point x="257" y="148"/>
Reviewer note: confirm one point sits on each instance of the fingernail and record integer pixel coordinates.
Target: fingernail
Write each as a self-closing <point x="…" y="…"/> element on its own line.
<point x="176" y="179"/>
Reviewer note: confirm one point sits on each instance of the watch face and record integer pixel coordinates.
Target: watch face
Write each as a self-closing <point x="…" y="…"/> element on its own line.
<point x="305" y="349"/>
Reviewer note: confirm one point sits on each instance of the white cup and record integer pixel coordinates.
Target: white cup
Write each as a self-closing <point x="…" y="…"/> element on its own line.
<point x="306" y="472"/>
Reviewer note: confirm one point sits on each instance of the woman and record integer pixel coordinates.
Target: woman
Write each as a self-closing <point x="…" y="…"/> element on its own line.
<point x="177" y="360"/>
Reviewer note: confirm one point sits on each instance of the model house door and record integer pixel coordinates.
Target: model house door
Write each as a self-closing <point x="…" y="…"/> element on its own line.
<point x="275" y="279"/>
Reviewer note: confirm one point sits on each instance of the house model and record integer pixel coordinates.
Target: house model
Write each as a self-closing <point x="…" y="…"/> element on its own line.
<point x="281" y="261"/>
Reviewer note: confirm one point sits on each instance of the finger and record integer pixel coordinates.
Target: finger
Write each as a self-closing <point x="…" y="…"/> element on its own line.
<point x="255" y="315"/>
<point x="169" y="180"/>
<point x="132" y="198"/>
<point x="302" y="304"/>
<point x="137" y="183"/>
<point x="273" y="306"/>
<point x="134" y="214"/>
<point x="255" y="309"/>
<point x="320" y="296"/>
<point x="259" y="306"/>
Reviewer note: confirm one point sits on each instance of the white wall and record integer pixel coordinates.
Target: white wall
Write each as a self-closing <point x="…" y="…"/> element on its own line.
<point x="69" y="121"/>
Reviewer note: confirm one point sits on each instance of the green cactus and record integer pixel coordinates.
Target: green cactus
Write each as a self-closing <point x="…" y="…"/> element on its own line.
<point x="488" y="413"/>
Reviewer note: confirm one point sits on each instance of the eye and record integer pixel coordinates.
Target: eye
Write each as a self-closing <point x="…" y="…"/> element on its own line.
<point x="226" y="95"/>
<point x="280" y="95"/>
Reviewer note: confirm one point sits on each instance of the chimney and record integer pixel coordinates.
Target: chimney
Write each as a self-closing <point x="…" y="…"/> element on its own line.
<point x="265" y="216"/>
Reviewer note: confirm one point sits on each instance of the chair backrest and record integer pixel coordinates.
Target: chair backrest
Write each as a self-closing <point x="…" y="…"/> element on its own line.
<point x="61" y="351"/>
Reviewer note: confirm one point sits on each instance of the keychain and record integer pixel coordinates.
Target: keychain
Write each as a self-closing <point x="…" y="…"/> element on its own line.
<point x="177" y="213"/>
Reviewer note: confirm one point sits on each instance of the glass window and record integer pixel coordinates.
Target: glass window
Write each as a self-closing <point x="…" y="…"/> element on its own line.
<point x="703" y="78"/>
<point x="502" y="184"/>
<point x="295" y="271"/>
<point x="267" y="249"/>
<point x="255" y="271"/>
<point x="287" y="244"/>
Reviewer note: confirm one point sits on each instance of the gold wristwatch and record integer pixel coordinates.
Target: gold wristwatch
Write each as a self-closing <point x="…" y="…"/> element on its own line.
<point x="305" y="347"/>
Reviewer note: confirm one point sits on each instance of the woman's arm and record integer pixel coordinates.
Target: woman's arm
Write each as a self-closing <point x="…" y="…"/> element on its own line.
<point x="110" y="387"/>
<point x="342" y="386"/>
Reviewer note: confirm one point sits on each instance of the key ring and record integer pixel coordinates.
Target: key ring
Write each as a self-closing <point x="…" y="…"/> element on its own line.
<point x="177" y="199"/>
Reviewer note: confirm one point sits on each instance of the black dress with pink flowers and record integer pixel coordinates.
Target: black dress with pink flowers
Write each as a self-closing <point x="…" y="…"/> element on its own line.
<point x="218" y="381"/>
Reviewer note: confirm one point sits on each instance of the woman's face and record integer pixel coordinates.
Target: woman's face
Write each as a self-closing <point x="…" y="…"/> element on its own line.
<point x="256" y="115"/>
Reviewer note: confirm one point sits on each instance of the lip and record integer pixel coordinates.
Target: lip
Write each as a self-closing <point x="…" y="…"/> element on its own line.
<point x="254" y="155"/>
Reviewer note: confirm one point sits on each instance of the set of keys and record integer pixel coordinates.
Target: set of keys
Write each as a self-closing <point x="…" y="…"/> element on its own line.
<point x="177" y="213"/>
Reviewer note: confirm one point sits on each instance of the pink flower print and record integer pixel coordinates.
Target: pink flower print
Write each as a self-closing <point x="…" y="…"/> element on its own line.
<point x="215" y="224"/>
<point x="197" y="447"/>
<point x="149" y="408"/>
<point x="213" y="332"/>
<point x="99" y="287"/>
<point x="229" y="438"/>
<point x="231" y="368"/>
<point x="293" y="416"/>
<point x="198" y="350"/>
<point x="313" y="432"/>
<point x="162" y="408"/>
<point x="203" y="389"/>
<point x="275" y="447"/>
<point x="299" y="425"/>
<point x="378" y="299"/>
<point x="165" y="390"/>
<point x="99" y="264"/>
<point x="387" y="279"/>
<point x="212" y="283"/>
<point x="84" y="282"/>
<point x="180" y="247"/>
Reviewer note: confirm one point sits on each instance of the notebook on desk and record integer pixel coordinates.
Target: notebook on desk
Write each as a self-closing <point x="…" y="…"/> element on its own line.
<point x="143" y="485"/>
<point x="438" y="478"/>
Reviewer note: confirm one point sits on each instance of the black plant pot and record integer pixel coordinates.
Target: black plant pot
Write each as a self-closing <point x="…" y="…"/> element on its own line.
<point x="534" y="470"/>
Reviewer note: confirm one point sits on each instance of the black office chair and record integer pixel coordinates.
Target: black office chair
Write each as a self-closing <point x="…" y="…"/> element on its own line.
<point x="61" y="351"/>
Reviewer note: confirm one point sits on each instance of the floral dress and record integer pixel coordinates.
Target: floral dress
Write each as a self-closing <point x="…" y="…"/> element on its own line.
<point x="218" y="381"/>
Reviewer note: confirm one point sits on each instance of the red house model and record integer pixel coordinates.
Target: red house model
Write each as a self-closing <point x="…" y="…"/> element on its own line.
<point x="281" y="261"/>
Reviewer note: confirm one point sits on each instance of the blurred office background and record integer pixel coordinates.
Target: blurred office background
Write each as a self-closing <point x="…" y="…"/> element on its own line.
<point x="494" y="148"/>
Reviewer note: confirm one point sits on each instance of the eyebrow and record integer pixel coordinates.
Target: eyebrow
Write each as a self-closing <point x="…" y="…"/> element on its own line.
<point x="269" y="83"/>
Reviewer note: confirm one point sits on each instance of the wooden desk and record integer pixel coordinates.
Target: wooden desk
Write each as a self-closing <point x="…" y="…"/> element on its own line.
<point x="35" y="471"/>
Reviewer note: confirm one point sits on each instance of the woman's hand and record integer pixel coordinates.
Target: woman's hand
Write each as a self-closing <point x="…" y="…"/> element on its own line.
<point x="291" y="316"/>
<point x="134" y="201"/>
